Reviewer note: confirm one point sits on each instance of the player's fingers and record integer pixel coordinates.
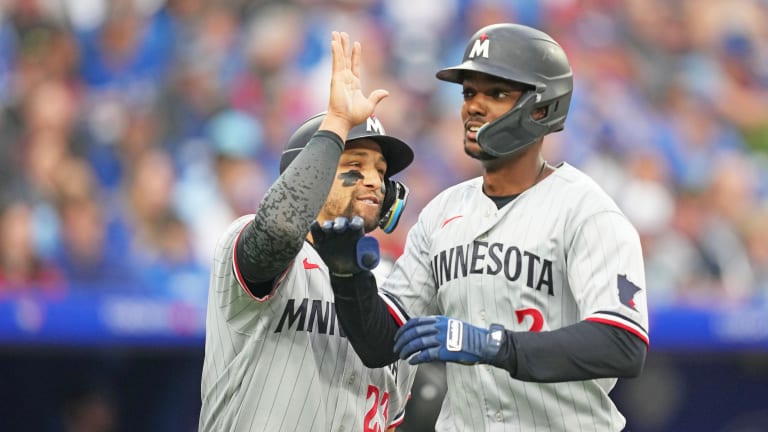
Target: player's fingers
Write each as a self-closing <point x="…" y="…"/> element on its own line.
<point x="416" y="322"/>
<point x="426" y="356"/>
<point x="327" y="226"/>
<point x="357" y="224"/>
<point x="377" y="95"/>
<point x="316" y="230"/>
<point x="357" y="50"/>
<point x="340" y="225"/>
<point x="414" y="346"/>
<point x="345" y="49"/>
<point x="337" y="52"/>
<point x="414" y="339"/>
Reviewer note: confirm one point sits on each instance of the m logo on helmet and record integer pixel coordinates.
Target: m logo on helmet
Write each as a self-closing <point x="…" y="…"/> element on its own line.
<point x="372" y="124"/>
<point x="480" y="48"/>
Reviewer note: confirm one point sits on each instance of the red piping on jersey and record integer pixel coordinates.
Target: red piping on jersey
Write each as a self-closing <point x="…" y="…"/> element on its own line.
<point x="398" y="420"/>
<point x="445" y="222"/>
<point x="396" y="315"/>
<point x="394" y="310"/>
<point x="621" y="326"/>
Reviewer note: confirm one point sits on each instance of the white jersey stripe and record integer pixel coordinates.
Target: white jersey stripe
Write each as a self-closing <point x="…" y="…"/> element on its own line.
<point x="394" y="309"/>
<point x="621" y="322"/>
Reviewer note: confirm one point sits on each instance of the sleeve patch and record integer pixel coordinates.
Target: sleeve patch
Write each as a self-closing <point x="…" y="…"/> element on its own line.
<point x="627" y="291"/>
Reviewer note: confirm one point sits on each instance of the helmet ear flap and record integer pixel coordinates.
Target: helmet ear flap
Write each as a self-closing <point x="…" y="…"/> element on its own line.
<point x="512" y="131"/>
<point x="395" y="196"/>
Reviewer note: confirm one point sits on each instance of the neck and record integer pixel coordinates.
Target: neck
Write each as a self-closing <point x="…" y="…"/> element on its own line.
<point x="514" y="176"/>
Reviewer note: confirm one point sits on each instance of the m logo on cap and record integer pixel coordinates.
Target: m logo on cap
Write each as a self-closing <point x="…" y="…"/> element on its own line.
<point x="374" y="125"/>
<point x="480" y="48"/>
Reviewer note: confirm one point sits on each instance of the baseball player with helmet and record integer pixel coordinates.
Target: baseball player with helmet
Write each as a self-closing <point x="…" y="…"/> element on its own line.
<point x="527" y="281"/>
<point x="276" y="358"/>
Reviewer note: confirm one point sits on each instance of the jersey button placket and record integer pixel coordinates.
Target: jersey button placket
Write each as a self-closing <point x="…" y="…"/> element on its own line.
<point x="499" y="417"/>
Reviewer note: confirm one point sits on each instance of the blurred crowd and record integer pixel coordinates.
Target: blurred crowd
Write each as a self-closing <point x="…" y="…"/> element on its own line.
<point x="133" y="131"/>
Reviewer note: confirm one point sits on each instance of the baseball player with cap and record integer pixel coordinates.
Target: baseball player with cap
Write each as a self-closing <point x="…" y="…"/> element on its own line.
<point x="276" y="358"/>
<point x="527" y="281"/>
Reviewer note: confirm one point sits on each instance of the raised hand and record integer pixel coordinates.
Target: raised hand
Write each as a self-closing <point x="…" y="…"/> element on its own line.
<point x="344" y="247"/>
<point x="348" y="105"/>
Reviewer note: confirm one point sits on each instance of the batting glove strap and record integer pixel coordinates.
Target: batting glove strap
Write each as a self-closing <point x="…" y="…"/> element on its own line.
<point x="497" y="336"/>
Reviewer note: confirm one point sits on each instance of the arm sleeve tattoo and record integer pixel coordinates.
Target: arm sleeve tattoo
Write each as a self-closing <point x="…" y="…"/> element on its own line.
<point x="267" y="246"/>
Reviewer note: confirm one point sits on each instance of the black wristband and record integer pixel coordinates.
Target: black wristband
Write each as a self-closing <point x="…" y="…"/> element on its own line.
<point x="355" y="286"/>
<point x="506" y="357"/>
<point x="496" y="337"/>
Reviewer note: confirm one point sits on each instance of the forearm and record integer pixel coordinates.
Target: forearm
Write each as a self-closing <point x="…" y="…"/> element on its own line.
<point x="282" y="220"/>
<point x="585" y="350"/>
<point x="365" y="318"/>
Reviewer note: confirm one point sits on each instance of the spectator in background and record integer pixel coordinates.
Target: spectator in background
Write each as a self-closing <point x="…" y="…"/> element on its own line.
<point x="754" y="232"/>
<point x="22" y="269"/>
<point x="727" y="198"/>
<point x="657" y="75"/>
<point x="92" y="249"/>
<point x="225" y="179"/>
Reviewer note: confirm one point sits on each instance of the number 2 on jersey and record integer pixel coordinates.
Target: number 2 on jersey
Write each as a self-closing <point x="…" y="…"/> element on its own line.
<point x="377" y="410"/>
<point x="537" y="318"/>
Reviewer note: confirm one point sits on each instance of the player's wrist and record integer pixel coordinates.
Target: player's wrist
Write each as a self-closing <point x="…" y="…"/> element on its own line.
<point x="494" y="341"/>
<point x="501" y="350"/>
<point x="353" y="286"/>
<point x="336" y="124"/>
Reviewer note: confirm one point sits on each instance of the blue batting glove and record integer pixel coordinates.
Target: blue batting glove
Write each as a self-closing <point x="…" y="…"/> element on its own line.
<point x="439" y="338"/>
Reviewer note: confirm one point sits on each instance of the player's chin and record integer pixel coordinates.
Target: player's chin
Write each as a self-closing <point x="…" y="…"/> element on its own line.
<point x="370" y="215"/>
<point x="473" y="150"/>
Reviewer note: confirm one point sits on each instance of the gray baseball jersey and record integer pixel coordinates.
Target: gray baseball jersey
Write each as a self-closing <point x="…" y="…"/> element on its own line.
<point x="560" y="253"/>
<point x="282" y="363"/>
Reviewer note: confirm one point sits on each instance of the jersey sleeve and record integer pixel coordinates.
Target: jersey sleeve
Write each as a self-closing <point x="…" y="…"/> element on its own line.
<point x="410" y="285"/>
<point x="405" y="378"/>
<point x="227" y="292"/>
<point x="606" y="273"/>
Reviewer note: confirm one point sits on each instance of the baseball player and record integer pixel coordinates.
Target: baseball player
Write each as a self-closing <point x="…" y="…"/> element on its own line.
<point x="531" y="273"/>
<point x="276" y="358"/>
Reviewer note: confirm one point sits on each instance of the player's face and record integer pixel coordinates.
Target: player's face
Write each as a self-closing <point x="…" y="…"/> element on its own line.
<point x="359" y="185"/>
<point x="485" y="99"/>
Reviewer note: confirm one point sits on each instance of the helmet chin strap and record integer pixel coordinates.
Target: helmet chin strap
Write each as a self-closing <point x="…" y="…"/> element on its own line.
<point x="513" y="131"/>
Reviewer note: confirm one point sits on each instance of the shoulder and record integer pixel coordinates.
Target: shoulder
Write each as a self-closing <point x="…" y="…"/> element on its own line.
<point x="458" y="193"/>
<point x="230" y="235"/>
<point x="453" y="199"/>
<point x="581" y="199"/>
<point x="573" y="186"/>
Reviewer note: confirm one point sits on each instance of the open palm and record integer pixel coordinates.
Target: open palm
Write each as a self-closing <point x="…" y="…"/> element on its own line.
<point x="347" y="100"/>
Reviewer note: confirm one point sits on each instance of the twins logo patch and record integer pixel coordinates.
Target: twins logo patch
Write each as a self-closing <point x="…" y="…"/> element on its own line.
<point x="627" y="291"/>
<point x="454" y="335"/>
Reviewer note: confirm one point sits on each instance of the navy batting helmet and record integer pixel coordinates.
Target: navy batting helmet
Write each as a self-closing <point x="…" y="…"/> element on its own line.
<point x="397" y="154"/>
<point x="527" y="56"/>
